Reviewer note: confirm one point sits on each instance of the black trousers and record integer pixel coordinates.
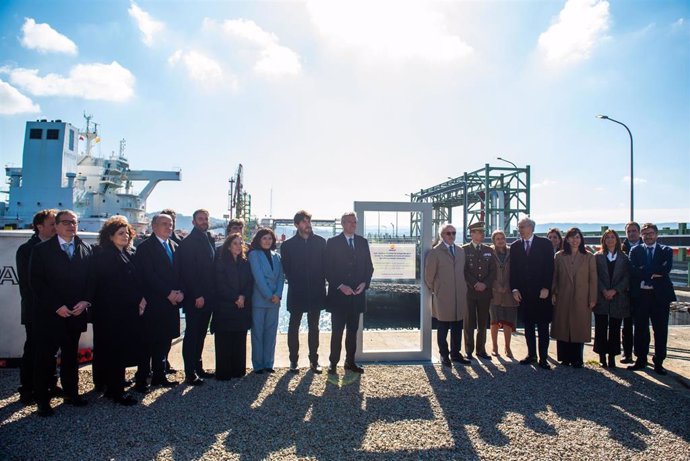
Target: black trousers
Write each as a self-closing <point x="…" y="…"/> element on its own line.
<point x="312" y="337"/>
<point x="607" y="334"/>
<point x="628" y="336"/>
<point x="570" y="353"/>
<point x="231" y="354"/>
<point x="649" y="309"/>
<point x="44" y="365"/>
<point x="26" y="370"/>
<point x="455" y="338"/>
<point x="339" y="321"/>
<point x="152" y="360"/>
<point x="196" y="322"/>
<point x="531" y="339"/>
<point x="97" y="368"/>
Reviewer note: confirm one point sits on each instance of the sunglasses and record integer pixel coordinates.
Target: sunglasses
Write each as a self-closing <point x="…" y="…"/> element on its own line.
<point x="67" y="222"/>
<point x="450" y="233"/>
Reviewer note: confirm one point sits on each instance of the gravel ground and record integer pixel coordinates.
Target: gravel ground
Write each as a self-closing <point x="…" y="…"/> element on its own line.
<point x="490" y="411"/>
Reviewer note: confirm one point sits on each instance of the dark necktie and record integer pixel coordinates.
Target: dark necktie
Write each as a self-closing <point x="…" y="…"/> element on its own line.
<point x="351" y="243"/>
<point x="527" y="247"/>
<point x="650" y="255"/>
<point x="452" y="250"/>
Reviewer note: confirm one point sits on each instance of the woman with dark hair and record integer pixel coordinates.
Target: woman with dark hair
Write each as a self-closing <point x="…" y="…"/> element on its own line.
<point x="118" y="304"/>
<point x="268" y="290"/>
<point x="503" y="309"/>
<point x="554" y="235"/>
<point x="613" y="302"/>
<point x="574" y="297"/>
<point x="232" y="316"/>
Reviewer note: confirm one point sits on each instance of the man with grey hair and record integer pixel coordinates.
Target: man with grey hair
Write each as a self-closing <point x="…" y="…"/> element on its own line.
<point x="348" y="268"/>
<point x="444" y="275"/>
<point x="531" y="276"/>
<point x="155" y="262"/>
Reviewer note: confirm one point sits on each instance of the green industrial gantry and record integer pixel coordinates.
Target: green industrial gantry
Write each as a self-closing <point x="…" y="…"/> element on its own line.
<point x="494" y="195"/>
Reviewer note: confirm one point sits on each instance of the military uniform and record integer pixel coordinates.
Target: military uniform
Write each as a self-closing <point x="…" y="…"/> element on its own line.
<point x="480" y="266"/>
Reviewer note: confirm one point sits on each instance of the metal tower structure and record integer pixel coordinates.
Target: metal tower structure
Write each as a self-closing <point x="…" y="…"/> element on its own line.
<point x="239" y="201"/>
<point x="495" y="195"/>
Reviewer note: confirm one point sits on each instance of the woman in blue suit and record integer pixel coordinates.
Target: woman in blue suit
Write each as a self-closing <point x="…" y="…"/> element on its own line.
<point x="268" y="289"/>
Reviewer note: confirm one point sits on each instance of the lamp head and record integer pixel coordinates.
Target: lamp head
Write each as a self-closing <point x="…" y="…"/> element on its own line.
<point x="603" y="117"/>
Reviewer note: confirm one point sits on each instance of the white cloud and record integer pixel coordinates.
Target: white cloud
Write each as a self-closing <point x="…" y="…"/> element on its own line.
<point x="13" y="102"/>
<point x="105" y="82"/>
<point x="200" y="67"/>
<point x="544" y="183"/>
<point x="397" y="30"/>
<point x="147" y="25"/>
<point x="678" y="25"/>
<point x="273" y="60"/>
<point x="638" y="180"/>
<point x="581" y="25"/>
<point x="45" y="39"/>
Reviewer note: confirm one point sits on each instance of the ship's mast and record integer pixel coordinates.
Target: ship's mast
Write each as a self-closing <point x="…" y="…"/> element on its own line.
<point x="88" y="135"/>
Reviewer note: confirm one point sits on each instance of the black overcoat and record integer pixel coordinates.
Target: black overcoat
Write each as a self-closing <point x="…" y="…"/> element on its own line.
<point x="233" y="278"/>
<point x="529" y="274"/>
<point x="56" y="281"/>
<point x="117" y="293"/>
<point x="349" y="267"/>
<point x="197" y="272"/>
<point x="303" y="265"/>
<point x="158" y="277"/>
<point x="23" y="258"/>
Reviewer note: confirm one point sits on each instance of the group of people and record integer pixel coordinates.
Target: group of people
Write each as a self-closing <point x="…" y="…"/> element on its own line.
<point x="133" y="298"/>
<point x="556" y="285"/>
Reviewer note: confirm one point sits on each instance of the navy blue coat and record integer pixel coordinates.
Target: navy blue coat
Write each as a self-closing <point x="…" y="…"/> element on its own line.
<point x="344" y="266"/>
<point x="195" y="260"/>
<point x="304" y="270"/>
<point x="641" y="271"/>
<point x="57" y="281"/>
<point x="158" y="278"/>
<point x="529" y="274"/>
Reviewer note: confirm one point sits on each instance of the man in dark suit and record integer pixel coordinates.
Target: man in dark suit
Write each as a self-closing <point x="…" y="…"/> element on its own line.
<point x="652" y="291"/>
<point x="155" y="262"/>
<point x="348" y="271"/>
<point x="302" y="259"/>
<point x="531" y="276"/>
<point x="480" y="272"/>
<point x="197" y="276"/>
<point x="177" y="239"/>
<point x="59" y="269"/>
<point x="44" y="229"/>
<point x="632" y="233"/>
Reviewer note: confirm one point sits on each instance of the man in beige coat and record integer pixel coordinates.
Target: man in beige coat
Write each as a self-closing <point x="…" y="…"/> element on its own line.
<point x="444" y="274"/>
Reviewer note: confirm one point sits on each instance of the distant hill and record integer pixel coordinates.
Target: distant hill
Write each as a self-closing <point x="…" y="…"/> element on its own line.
<point x="184" y="222"/>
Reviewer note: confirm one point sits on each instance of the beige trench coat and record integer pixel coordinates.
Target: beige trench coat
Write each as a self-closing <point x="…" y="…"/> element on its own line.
<point x="574" y="288"/>
<point x="445" y="277"/>
<point x="502" y="282"/>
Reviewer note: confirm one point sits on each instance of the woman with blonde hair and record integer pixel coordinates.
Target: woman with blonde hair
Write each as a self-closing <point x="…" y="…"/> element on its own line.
<point x="503" y="309"/>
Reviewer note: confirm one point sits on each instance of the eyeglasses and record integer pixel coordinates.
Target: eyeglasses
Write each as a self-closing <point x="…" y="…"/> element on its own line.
<point x="68" y="222"/>
<point x="450" y="232"/>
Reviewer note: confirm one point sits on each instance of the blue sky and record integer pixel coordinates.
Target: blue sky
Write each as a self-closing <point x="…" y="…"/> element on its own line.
<point x="325" y="103"/>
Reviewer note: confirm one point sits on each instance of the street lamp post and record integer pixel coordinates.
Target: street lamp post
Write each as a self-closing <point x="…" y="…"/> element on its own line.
<point x="507" y="161"/>
<point x="632" y="178"/>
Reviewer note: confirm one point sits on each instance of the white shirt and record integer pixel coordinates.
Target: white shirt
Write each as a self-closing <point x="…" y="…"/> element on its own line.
<point x="63" y="241"/>
<point x="348" y="237"/>
<point x="611" y="256"/>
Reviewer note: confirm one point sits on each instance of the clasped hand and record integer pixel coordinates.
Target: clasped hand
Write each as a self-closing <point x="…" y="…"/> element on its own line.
<point x="347" y="291"/>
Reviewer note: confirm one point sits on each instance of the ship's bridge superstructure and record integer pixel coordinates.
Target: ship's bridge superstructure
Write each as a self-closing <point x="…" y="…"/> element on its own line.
<point x="55" y="175"/>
